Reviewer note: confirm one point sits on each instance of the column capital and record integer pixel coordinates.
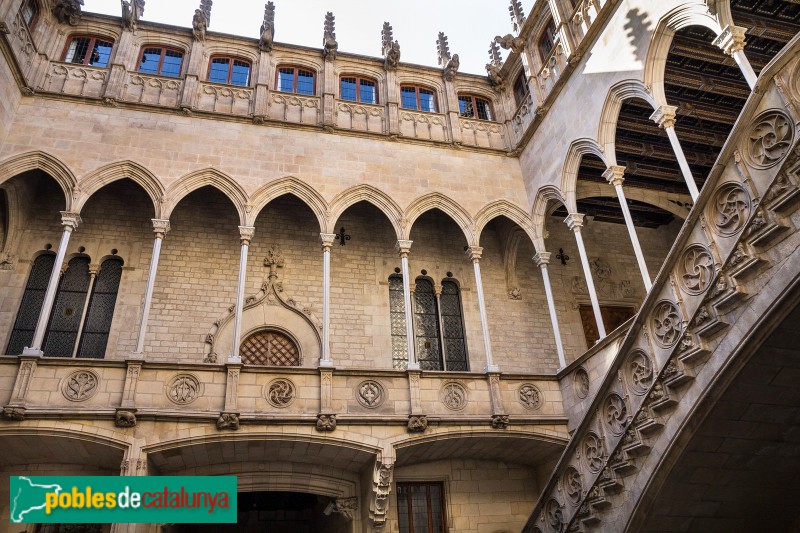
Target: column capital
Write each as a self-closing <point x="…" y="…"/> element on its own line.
<point x="731" y="40"/>
<point x="574" y="221"/>
<point x="542" y="259"/>
<point x="160" y="227"/>
<point x="246" y="234"/>
<point x="403" y="247"/>
<point x="615" y="175"/>
<point x="327" y="240"/>
<point x="474" y="253"/>
<point x="664" y="116"/>
<point x="70" y="220"/>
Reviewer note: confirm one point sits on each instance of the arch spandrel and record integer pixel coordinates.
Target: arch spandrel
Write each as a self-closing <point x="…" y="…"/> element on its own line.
<point x="99" y="178"/>
<point x="444" y="204"/>
<point x="38" y="160"/>
<point x="288" y="185"/>
<point x="366" y="193"/>
<point x="503" y="208"/>
<point x="202" y="178"/>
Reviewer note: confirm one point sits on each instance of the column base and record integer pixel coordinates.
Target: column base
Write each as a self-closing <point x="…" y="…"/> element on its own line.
<point x="32" y="351"/>
<point x="492" y="369"/>
<point x="323" y="363"/>
<point x="412" y="366"/>
<point x="235" y="359"/>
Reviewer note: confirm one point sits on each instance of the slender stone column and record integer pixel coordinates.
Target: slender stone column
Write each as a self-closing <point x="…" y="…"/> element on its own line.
<point x="70" y="222"/>
<point x="82" y="323"/>
<point x="327" y="241"/>
<point x="614" y="175"/>
<point x="160" y="229"/>
<point x="245" y="235"/>
<point x="542" y="260"/>
<point x="437" y="291"/>
<point x="575" y="223"/>
<point x="474" y="254"/>
<point x="404" y="248"/>
<point x="664" y="116"/>
<point x="732" y="42"/>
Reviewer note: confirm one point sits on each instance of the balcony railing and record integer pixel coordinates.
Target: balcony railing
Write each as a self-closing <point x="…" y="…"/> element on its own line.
<point x="420" y="125"/>
<point x="153" y="90"/>
<point x="77" y="80"/>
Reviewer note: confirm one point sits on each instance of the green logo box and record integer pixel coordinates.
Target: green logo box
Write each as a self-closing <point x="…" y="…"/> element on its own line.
<point x="123" y="499"/>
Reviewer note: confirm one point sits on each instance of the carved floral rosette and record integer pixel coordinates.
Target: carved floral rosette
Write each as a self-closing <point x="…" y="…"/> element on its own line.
<point x="770" y="139"/>
<point x="639" y="372"/>
<point x="666" y="324"/>
<point x="729" y="209"/>
<point x="615" y="413"/>
<point x="530" y="396"/>
<point x="80" y="385"/>
<point x="696" y="269"/>
<point x="280" y="392"/>
<point x="183" y="389"/>
<point x="370" y="394"/>
<point x="593" y="452"/>
<point x="572" y="485"/>
<point x="581" y="383"/>
<point x="453" y="395"/>
<point x="555" y="516"/>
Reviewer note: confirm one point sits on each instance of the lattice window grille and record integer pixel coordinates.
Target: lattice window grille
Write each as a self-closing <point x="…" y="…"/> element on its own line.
<point x="97" y="325"/>
<point x="31" y="305"/>
<point x="397" y="317"/>
<point x="269" y="348"/>
<point x="453" y="328"/>
<point x="65" y="319"/>
<point x="426" y="326"/>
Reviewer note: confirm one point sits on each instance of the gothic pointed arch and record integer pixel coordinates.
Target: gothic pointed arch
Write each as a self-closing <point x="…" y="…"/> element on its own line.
<point x="503" y="208"/>
<point x="366" y="193"/>
<point x="288" y="185"/>
<point x="569" y="176"/>
<point x="617" y="94"/>
<point x="99" y="178"/>
<point x="676" y="204"/>
<point x="201" y="178"/>
<point x="38" y="160"/>
<point x="441" y="202"/>
<point x="545" y="195"/>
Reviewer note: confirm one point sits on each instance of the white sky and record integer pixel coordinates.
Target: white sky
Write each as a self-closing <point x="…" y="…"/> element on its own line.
<point x="469" y="24"/>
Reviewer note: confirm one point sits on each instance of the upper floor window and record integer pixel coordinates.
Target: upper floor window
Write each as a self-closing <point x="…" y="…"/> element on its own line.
<point x="89" y="50"/>
<point x="269" y="347"/>
<point x="295" y="80"/>
<point x="397" y="318"/>
<point x="229" y="70"/>
<point x="29" y="10"/>
<point x="358" y="89"/>
<point x="418" y="98"/>
<point x="474" y="107"/>
<point x="159" y="60"/>
<point x="420" y="508"/>
<point x="520" y="89"/>
<point x="547" y="39"/>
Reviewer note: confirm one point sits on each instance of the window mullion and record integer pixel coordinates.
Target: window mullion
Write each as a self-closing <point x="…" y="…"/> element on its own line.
<point x="437" y="290"/>
<point x="430" y="511"/>
<point x="82" y="323"/>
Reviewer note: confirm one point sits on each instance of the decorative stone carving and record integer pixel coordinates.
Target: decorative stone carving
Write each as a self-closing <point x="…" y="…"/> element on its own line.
<point x="17" y="414"/>
<point x="581" y="383"/>
<point x="125" y="418"/>
<point x="67" y="11"/>
<point x="346" y="507"/>
<point x="730" y="209"/>
<point x="616" y="413"/>
<point x="279" y="392"/>
<point x="8" y="261"/>
<point x="329" y="44"/>
<point x="132" y="11"/>
<point x="80" y="386"/>
<point x="770" y="139"/>
<point x="390" y="48"/>
<point x="228" y="421"/>
<point x="500" y="421"/>
<point x="514" y="293"/>
<point x="370" y="394"/>
<point x="573" y="484"/>
<point x="448" y="63"/>
<point x="451" y="68"/>
<point x="381" y="486"/>
<point x="326" y="422"/>
<point x="517" y="15"/>
<point x="453" y="395"/>
<point x="639" y="372"/>
<point x="698" y="269"/>
<point x="603" y="282"/>
<point x="494" y="68"/>
<point x="509" y="42"/>
<point x="183" y="389"/>
<point x="417" y="423"/>
<point x="593" y="452"/>
<point x="666" y="324"/>
<point x="267" y="32"/>
<point x="201" y="20"/>
<point x="555" y="516"/>
<point x="530" y="396"/>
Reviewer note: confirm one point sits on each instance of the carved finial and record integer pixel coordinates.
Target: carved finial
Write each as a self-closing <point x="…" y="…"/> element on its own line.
<point x="494" y="67"/>
<point x="494" y="54"/>
<point x="443" y="49"/>
<point x="68" y="11"/>
<point x="267" y="28"/>
<point x="389" y="48"/>
<point x="201" y="20"/>
<point x="517" y="15"/>
<point x="386" y="38"/>
<point x="329" y="44"/>
<point x="205" y="7"/>
<point x="132" y="11"/>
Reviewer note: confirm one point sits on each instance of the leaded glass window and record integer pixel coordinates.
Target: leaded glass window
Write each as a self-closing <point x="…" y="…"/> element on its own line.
<point x="269" y="347"/>
<point x="426" y="326"/>
<point x="455" y="348"/>
<point x="62" y="332"/>
<point x="31" y="305"/>
<point x="397" y="316"/>
<point x="420" y="508"/>
<point x="101" y="309"/>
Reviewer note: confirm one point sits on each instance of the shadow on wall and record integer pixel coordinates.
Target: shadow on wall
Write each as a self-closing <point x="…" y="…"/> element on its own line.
<point x="638" y="24"/>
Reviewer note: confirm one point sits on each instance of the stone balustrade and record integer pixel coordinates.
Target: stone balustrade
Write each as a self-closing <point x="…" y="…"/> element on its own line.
<point x="483" y="133"/>
<point x="153" y="90"/>
<point x="76" y="80"/>
<point x="426" y="126"/>
<point x="361" y="117"/>
<point x="227" y="99"/>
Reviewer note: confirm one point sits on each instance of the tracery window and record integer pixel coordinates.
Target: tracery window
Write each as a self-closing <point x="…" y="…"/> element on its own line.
<point x="29" y="10"/>
<point x="455" y="348"/>
<point x="420" y="508"/>
<point x="97" y="323"/>
<point x="418" y="98"/>
<point x="89" y="50"/>
<point x="295" y="80"/>
<point x="31" y="305"/>
<point x="520" y="89"/>
<point x="358" y="89"/>
<point x="475" y="107"/>
<point x="229" y="70"/>
<point x="426" y="326"/>
<point x="268" y="347"/>
<point x="65" y="319"/>
<point x="547" y="39"/>
<point x="161" y="61"/>
<point x="397" y="317"/>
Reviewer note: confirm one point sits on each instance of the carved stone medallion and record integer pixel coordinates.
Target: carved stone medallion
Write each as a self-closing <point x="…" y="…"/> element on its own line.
<point x="730" y="209"/>
<point x="573" y="484"/>
<point x="453" y="395"/>
<point x="698" y="269"/>
<point x="279" y="392"/>
<point x="581" y="383"/>
<point x="639" y="372"/>
<point x="616" y="413"/>
<point x="770" y="139"/>
<point x="593" y="452"/>
<point x="80" y="386"/>
<point x="370" y="394"/>
<point x="530" y="396"/>
<point x="555" y="516"/>
<point x="666" y="324"/>
<point x="183" y="389"/>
